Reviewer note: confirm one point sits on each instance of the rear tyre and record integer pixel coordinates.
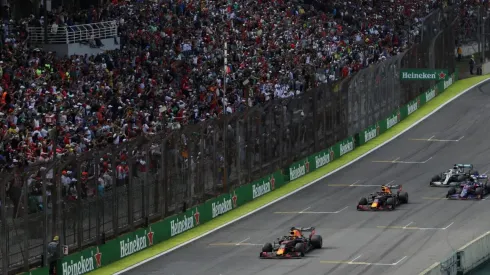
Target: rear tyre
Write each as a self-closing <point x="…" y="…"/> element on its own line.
<point x="363" y="201"/>
<point x="299" y="247"/>
<point x="404" y="197"/>
<point x="461" y="178"/>
<point x="391" y="201"/>
<point x="317" y="241"/>
<point x="436" y="178"/>
<point x="451" y="191"/>
<point x="267" y="247"/>
<point x="478" y="191"/>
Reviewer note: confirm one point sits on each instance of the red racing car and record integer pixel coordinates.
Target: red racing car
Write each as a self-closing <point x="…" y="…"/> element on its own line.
<point x="388" y="198"/>
<point x="294" y="246"/>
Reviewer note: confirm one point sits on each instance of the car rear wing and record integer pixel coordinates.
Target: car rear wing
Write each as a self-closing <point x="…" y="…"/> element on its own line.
<point x="460" y="165"/>
<point x="303" y="229"/>
<point x="395" y="186"/>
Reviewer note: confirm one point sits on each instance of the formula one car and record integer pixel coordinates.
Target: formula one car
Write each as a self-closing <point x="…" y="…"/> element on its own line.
<point x="386" y="199"/>
<point x="294" y="246"/>
<point x="475" y="188"/>
<point x="453" y="177"/>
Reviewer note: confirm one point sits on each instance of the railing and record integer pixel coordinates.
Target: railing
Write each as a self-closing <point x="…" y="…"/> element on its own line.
<point x="463" y="260"/>
<point x="169" y="173"/>
<point x="73" y="34"/>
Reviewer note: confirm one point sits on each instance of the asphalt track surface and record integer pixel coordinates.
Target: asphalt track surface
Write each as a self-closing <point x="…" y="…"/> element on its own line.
<point x="404" y="241"/>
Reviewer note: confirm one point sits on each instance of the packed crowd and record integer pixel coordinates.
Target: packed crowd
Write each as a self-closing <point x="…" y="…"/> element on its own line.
<point x="170" y="69"/>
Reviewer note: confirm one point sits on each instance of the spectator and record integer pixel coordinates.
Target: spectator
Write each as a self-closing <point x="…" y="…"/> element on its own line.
<point x="169" y="71"/>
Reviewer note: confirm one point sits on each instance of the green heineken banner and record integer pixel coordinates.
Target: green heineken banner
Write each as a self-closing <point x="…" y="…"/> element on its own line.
<point x="424" y="74"/>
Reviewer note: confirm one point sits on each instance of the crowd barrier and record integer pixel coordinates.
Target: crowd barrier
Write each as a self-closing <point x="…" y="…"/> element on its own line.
<point x="463" y="260"/>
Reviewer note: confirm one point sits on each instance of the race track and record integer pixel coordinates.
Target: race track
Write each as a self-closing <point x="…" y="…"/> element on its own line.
<point x="404" y="241"/>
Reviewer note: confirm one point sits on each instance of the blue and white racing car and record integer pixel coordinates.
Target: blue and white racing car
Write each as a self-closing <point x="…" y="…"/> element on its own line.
<point x="453" y="177"/>
<point x="475" y="188"/>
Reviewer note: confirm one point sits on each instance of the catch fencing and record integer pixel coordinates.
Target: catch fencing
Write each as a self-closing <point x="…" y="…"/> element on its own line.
<point x="88" y="199"/>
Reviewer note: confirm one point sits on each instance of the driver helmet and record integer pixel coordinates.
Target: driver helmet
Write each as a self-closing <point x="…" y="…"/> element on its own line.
<point x="295" y="233"/>
<point x="385" y="189"/>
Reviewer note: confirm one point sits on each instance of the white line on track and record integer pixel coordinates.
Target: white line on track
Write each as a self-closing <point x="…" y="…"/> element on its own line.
<point x="405" y="227"/>
<point x="239" y="243"/>
<point x="302" y="211"/>
<point x="399" y="261"/>
<point x="356" y="182"/>
<point x="353" y="260"/>
<point x="448" y="226"/>
<point x="306" y="185"/>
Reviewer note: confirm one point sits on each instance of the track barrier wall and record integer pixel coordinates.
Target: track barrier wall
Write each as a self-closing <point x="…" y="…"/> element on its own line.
<point x="463" y="260"/>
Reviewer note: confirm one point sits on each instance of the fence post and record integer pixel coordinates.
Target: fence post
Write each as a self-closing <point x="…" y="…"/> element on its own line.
<point x="25" y="215"/>
<point x="4" y="233"/>
<point x="115" y="195"/>
<point x="45" y="219"/>
<point x="130" y="188"/>
<point x="99" y="210"/>
<point x="164" y="178"/>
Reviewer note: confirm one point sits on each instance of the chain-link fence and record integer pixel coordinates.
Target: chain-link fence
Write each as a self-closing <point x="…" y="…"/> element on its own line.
<point x="88" y="199"/>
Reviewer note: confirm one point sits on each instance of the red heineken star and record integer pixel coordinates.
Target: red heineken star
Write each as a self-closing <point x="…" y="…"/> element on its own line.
<point x="273" y="182"/>
<point x="442" y="75"/>
<point x="98" y="257"/>
<point x="196" y="216"/>
<point x="150" y="236"/>
<point x="307" y="166"/>
<point x="234" y="199"/>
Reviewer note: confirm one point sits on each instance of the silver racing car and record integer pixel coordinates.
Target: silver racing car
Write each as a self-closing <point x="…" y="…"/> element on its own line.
<point x="454" y="176"/>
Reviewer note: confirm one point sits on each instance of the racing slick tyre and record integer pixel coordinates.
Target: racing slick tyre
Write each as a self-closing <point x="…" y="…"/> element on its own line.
<point x="461" y="178"/>
<point x="451" y="191"/>
<point x="403" y="197"/>
<point x="317" y="241"/>
<point x="436" y="178"/>
<point x="299" y="247"/>
<point x="363" y="201"/>
<point x="267" y="247"/>
<point x="391" y="201"/>
<point x="479" y="191"/>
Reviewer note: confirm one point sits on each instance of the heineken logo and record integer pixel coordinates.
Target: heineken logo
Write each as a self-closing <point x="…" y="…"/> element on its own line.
<point x="412" y="107"/>
<point x="346" y="147"/>
<point x="370" y="134"/>
<point x="221" y="207"/>
<point x="423" y="74"/>
<point x="322" y="159"/>
<point x="299" y="171"/>
<point x="430" y="95"/>
<point x="138" y="243"/>
<point x="448" y="83"/>
<point x="183" y="224"/>
<point x="82" y="265"/>
<point x="260" y="189"/>
<point x="391" y="121"/>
